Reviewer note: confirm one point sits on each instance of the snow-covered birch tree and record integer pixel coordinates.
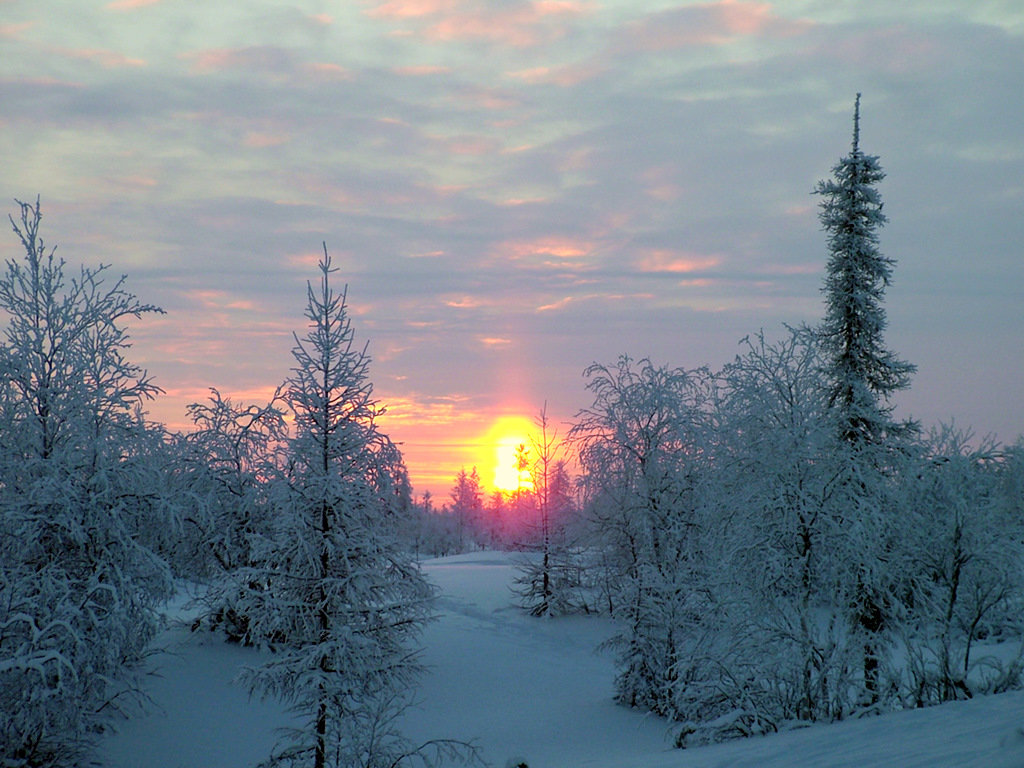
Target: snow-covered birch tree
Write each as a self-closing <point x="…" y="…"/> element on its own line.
<point x="780" y="546"/>
<point x="77" y="583"/>
<point x="961" y="552"/>
<point x="225" y="463"/>
<point x="642" y="444"/>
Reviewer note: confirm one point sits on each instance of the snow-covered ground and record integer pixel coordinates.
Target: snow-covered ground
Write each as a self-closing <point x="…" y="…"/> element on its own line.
<point x="535" y="690"/>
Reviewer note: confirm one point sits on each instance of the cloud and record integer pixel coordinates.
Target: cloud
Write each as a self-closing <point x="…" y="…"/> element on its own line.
<point x="406" y="9"/>
<point x="660" y="183"/>
<point x="262" y="140"/>
<point x="30" y="85"/>
<point x="709" y="24"/>
<point x="484" y="97"/>
<point x="14" y="31"/>
<point x="676" y="261"/>
<point x="217" y="299"/>
<point x="559" y="247"/>
<point x="561" y="303"/>
<point x="129" y="5"/>
<point x="422" y="70"/>
<point x="514" y="202"/>
<point x="466" y="145"/>
<point x="565" y="76"/>
<point x="105" y="58"/>
<point x="465" y="302"/>
<point x="327" y="70"/>
<point x="494" y="341"/>
<point x="263" y="58"/>
<point x="515" y="23"/>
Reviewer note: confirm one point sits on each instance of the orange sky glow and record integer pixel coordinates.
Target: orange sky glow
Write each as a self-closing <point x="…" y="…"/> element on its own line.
<point x="435" y="453"/>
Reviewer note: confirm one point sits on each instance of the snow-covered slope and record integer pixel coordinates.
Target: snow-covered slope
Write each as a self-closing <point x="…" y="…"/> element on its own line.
<point x="535" y="690"/>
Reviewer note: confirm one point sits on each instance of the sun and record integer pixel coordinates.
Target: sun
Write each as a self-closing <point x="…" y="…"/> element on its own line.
<point x="504" y="440"/>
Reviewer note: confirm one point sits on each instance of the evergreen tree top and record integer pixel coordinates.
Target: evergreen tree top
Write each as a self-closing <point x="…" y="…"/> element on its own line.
<point x="856" y="125"/>
<point x="862" y="372"/>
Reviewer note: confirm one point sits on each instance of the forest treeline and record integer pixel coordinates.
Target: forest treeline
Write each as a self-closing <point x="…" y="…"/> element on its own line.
<point x="774" y="545"/>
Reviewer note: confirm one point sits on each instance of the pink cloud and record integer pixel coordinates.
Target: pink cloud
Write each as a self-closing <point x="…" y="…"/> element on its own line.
<point x="469" y="145"/>
<point x="328" y="70"/>
<point x="565" y="77"/>
<point x="565" y="302"/>
<point x="138" y="182"/>
<point x="560" y="304"/>
<point x="518" y="24"/>
<point x="676" y="261"/>
<point x="494" y="341"/>
<point x="129" y="5"/>
<point x="465" y="302"/>
<point x="559" y="247"/>
<point x="579" y="159"/>
<point x="13" y="31"/>
<point x="514" y="202"/>
<point x="105" y="58"/>
<point x="659" y="184"/>
<point x="810" y="268"/>
<point x="213" y="299"/>
<point x="306" y="260"/>
<point x="561" y="7"/>
<point x="260" y="139"/>
<point x="715" y="23"/>
<point x="406" y="9"/>
<point x="262" y="58"/>
<point x="803" y="209"/>
<point x="485" y="98"/>
<point x="422" y="70"/>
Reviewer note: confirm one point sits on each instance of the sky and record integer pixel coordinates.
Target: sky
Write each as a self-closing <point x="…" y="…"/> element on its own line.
<point x="514" y="189"/>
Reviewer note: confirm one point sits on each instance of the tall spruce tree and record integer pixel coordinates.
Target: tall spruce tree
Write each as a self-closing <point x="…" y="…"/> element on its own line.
<point x="861" y="373"/>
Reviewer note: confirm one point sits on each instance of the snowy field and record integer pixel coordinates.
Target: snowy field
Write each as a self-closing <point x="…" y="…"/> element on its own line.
<point x="535" y="690"/>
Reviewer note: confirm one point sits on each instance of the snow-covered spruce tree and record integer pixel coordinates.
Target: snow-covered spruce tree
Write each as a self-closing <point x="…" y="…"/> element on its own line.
<point x="77" y="585"/>
<point x="861" y="376"/>
<point x="642" y="447"/>
<point x="341" y="605"/>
